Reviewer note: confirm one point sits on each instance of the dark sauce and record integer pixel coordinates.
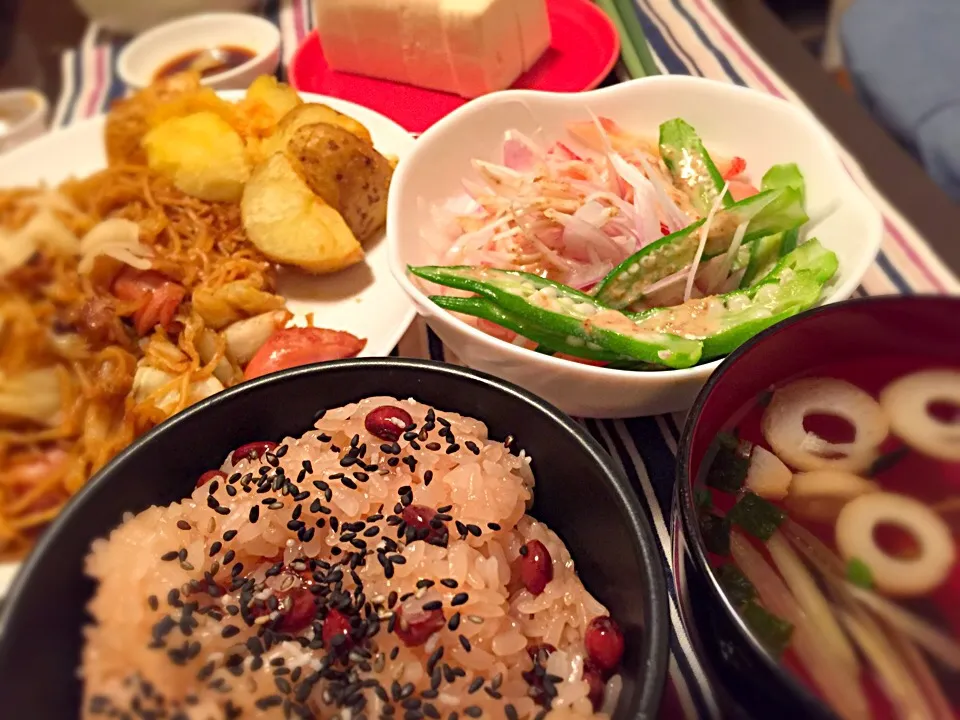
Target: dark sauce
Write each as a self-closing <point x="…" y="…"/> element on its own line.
<point x="207" y="61"/>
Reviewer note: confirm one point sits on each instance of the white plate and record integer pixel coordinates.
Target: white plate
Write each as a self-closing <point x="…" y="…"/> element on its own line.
<point x="364" y="300"/>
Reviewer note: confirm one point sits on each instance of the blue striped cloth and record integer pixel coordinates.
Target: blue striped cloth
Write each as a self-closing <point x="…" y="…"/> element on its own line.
<point x="687" y="37"/>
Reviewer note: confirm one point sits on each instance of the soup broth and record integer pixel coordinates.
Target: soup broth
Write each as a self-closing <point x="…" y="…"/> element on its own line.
<point x="830" y="507"/>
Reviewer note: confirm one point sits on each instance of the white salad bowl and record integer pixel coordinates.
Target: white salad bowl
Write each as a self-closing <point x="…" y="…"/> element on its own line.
<point x="731" y="120"/>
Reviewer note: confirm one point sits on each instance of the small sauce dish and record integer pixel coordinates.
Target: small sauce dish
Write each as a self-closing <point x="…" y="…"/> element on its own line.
<point x="229" y="49"/>
<point x="23" y="117"/>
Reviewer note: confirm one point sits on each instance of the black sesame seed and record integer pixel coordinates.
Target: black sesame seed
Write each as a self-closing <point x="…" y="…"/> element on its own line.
<point x="524" y="550"/>
<point x="432" y="605"/>
<point x="459" y="599"/>
<point x="268" y="702"/>
<point x="228" y="557"/>
<point x="254" y="513"/>
<point x="427" y="477"/>
<point x="183" y="524"/>
<point x="493" y="526"/>
<point x="153" y="602"/>
<point x="473" y="711"/>
<point x="451" y="449"/>
<point x="474" y="530"/>
<point x="449" y="582"/>
<point x="472" y="447"/>
<point x="433" y="445"/>
<point x="465" y="643"/>
<point x="229" y="535"/>
<point x="511" y="712"/>
<point x="229" y="631"/>
<point x="347" y="482"/>
<point x="361" y="476"/>
<point x="393" y="462"/>
<point x="475" y="685"/>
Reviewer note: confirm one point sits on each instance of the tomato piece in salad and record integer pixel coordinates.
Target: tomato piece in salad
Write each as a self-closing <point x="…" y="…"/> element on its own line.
<point x="296" y="346"/>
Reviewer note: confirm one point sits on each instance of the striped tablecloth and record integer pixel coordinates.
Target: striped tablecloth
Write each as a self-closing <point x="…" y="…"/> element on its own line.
<point x="687" y="37"/>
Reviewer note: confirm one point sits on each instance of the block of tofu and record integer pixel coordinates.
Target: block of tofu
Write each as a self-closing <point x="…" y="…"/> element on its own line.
<point x="467" y="47"/>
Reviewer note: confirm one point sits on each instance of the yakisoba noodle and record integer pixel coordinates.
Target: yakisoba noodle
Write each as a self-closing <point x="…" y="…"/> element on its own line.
<point x="67" y="358"/>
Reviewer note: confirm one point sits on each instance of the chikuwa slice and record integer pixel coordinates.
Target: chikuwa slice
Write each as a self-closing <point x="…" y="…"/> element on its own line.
<point x="909" y="403"/>
<point x="792" y="404"/>
<point x="899" y="576"/>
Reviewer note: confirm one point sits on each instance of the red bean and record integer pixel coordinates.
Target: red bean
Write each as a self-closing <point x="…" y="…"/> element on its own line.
<point x="418" y="517"/>
<point x="387" y="422"/>
<point x="300" y="613"/>
<point x="594" y="679"/>
<point x="536" y="567"/>
<point x="252" y="451"/>
<point x="419" y="631"/>
<point x="604" y="641"/>
<point x="210" y="475"/>
<point x="336" y="623"/>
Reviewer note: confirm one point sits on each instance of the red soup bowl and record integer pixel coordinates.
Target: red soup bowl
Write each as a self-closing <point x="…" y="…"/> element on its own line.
<point x="867" y="342"/>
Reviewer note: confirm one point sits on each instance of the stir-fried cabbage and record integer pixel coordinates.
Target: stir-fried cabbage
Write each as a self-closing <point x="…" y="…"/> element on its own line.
<point x="33" y="396"/>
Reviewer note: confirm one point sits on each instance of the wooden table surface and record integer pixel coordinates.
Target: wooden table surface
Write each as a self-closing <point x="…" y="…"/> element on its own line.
<point x="33" y="34"/>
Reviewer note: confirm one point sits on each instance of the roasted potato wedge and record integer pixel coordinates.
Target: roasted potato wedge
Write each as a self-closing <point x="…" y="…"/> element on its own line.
<point x="127" y="122"/>
<point x="291" y="225"/>
<point x="346" y="172"/>
<point x="201" y="154"/>
<point x="266" y="92"/>
<point x="309" y="114"/>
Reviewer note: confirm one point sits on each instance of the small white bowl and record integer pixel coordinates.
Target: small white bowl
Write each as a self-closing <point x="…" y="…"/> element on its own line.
<point x="23" y="117"/>
<point x="148" y="53"/>
<point x="732" y="120"/>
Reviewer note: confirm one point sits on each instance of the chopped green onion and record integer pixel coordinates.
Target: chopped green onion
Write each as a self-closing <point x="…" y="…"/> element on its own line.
<point x="859" y="573"/>
<point x="728" y="471"/>
<point x="716" y="533"/>
<point x="702" y="499"/>
<point x="773" y="632"/>
<point x="735" y="584"/>
<point x="757" y="516"/>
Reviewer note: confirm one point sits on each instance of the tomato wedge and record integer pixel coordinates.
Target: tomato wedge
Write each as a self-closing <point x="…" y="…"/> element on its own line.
<point x="293" y="347"/>
<point x="158" y="295"/>
<point x="736" y="168"/>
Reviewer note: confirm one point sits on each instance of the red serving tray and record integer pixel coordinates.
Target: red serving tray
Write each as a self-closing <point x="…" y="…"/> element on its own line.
<point x="584" y="49"/>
